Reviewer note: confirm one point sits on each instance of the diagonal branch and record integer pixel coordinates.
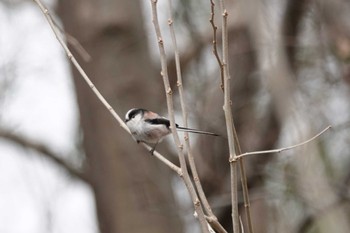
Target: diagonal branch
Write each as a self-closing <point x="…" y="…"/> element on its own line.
<point x="98" y="94"/>
<point x="44" y="151"/>
<point x="74" y="42"/>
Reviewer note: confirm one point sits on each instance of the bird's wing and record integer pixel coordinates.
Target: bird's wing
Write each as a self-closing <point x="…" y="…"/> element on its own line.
<point x="155" y="119"/>
<point x="159" y="121"/>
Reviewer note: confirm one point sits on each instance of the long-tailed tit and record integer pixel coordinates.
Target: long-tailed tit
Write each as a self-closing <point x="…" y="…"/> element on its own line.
<point x="149" y="127"/>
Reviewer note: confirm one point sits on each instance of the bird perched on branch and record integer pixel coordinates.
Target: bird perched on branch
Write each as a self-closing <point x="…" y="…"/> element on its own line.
<point x="148" y="127"/>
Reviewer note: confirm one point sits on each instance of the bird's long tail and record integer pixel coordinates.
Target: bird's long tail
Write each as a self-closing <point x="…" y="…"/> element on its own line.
<point x="195" y="131"/>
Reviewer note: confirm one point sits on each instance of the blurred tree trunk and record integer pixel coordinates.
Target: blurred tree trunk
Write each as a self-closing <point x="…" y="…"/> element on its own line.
<point x="130" y="194"/>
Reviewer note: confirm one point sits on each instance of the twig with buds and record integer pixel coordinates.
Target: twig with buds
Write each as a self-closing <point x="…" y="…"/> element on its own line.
<point x="229" y="119"/>
<point x="164" y="72"/>
<point x="213" y="219"/>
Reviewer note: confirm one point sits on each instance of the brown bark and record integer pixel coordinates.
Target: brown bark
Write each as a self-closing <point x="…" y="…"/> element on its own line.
<point x="130" y="193"/>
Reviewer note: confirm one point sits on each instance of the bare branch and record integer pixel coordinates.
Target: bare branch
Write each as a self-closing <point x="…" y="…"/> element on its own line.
<point x="92" y="86"/>
<point x="76" y="64"/>
<point x="229" y="119"/>
<point x="164" y="160"/>
<point x="170" y="105"/>
<point x="45" y="152"/>
<point x="214" y="42"/>
<point x="213" y="219"/>
<point x="244" y="182"/>
<point x="284" y="148"/>
<point x="74" y="42"/>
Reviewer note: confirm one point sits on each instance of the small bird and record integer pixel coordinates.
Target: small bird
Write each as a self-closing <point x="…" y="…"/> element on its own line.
<point x="148" y="127"/>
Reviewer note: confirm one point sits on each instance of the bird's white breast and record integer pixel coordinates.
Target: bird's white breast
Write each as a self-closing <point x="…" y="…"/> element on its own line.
<point x="146" y="132"/>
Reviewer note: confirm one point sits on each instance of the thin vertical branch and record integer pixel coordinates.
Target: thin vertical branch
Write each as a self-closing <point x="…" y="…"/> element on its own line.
<point x="211" y="217"/>
<point x="237" y="147"/>
<point x="56" y="31"/>
<point x="229" y="120"/>
<point x="164" y="72"/>
<point x="244" y="182"/>
<point x="214" y="42"/>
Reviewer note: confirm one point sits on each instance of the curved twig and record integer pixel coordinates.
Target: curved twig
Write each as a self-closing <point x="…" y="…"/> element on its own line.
<point x="284" y="148"/>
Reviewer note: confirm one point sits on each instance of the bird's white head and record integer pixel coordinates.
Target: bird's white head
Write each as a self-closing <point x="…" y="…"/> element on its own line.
<point x="134" y="113"/>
